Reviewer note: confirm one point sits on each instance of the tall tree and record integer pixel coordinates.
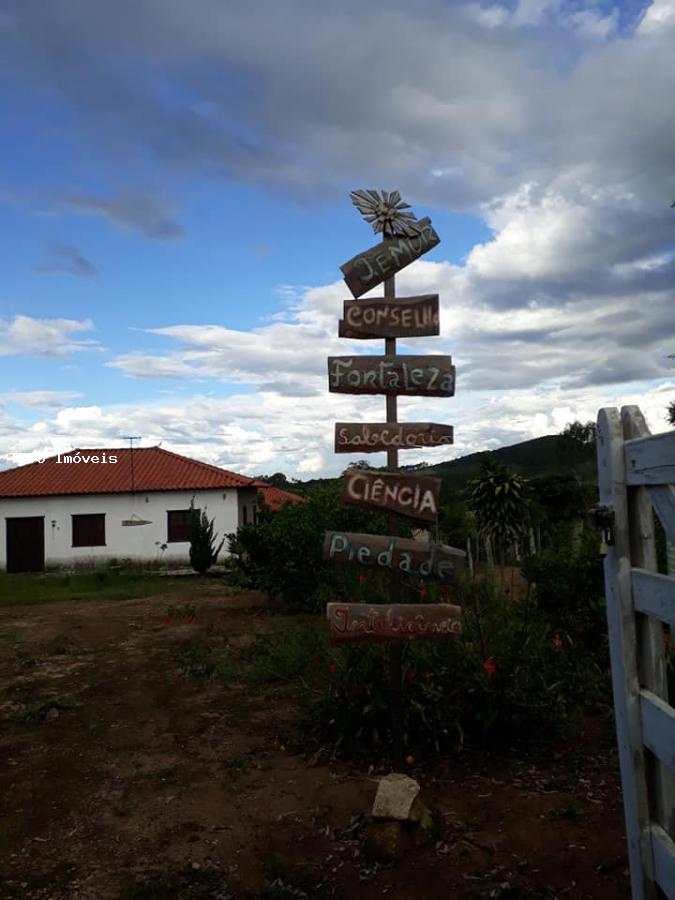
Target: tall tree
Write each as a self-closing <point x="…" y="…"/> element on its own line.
<point x="498" y="499"/>
<point x="203" y="550"/>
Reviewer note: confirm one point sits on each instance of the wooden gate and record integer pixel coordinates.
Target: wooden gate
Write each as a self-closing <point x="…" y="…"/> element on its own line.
<point x="635" y="474"/>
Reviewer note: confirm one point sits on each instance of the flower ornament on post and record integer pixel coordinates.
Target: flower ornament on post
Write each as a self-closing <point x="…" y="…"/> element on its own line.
<point x="385" y="212"/>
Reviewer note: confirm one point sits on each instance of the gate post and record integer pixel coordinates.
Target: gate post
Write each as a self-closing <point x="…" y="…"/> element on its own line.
<point x="623" y="655"/>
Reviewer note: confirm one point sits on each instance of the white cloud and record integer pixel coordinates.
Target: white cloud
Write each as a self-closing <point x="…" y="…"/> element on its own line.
<point x="43" y="337"/>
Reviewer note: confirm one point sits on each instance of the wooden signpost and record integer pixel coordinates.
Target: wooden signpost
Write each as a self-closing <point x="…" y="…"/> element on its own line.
<point x="368" y="269"/>
<point x="405" y="240"/>
<point x="349" y="622"/>
<point x="370" y="437"/>
<point x="431" y="376"/>
<point x="380" y="318"/>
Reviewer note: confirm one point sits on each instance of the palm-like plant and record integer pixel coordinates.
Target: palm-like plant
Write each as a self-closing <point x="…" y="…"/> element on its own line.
<point x="498" y="499"/>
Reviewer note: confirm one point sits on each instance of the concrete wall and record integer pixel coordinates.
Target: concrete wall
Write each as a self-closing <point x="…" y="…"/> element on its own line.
<point x="139" y="542"/>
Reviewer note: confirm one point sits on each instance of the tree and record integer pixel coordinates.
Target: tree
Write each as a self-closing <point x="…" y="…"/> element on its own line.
<point x="498" y="499"/>
<point x="203" y="550"/>
<point x="671" y="413"/>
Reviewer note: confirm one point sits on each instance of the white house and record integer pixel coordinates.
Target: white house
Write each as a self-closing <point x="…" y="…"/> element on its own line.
<point x="124" y="503"/>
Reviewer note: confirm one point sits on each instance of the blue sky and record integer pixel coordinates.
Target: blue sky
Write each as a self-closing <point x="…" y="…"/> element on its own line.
<point x="175" y="208"/>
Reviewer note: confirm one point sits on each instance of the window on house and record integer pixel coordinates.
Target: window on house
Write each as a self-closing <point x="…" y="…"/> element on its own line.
<point x="245" y="512"/>
<point x="89" y="530"/>
<point x="178" y="527"/>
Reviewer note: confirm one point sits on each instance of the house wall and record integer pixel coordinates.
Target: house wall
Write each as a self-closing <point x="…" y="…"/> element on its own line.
<point x="138" y="542"/>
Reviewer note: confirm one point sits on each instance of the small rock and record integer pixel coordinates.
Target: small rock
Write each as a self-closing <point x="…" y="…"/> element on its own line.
<point x="396" y="794"/>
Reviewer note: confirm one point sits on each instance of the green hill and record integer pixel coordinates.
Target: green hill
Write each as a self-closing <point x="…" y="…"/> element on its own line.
<point x="549" y="455"/>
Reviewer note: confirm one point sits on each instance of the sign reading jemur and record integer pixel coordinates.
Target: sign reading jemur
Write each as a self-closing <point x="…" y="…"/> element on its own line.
<point x="368" y="269"/>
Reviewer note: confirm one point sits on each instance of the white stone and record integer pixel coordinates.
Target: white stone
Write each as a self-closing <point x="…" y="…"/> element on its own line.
<point x="395" y="796"/>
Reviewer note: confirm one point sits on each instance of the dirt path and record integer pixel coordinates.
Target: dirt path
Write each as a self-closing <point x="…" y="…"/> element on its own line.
<point x="121" y="777"/>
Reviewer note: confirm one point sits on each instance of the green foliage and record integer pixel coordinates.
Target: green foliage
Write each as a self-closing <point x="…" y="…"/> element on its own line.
<point x="569" y="587"/>
<point x="671" y="413"/>
<point x="282" y="553"/>
<point x="511" y="675"/>
<point x="203" y="550"/>
<point x="498" y="499"/>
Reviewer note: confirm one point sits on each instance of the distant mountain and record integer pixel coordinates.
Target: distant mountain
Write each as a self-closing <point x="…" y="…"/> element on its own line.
<point x="549" y="455"/>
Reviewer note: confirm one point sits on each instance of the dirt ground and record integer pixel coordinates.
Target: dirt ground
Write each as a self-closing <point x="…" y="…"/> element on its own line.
<point x="121" y="777"/>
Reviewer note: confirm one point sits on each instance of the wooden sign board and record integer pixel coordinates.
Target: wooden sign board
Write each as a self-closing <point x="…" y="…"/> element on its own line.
<point x="433" y="562"/>
<point x="408" y="495"/>
<point x="351" y="622"/>
<point x="431" y="376"/>
<point x="380" y="318"/>
<point x="371" y="437"/>
<point x="368" y="269"/>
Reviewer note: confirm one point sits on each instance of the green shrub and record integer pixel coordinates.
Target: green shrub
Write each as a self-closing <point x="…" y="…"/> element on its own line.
<point x="203" y="550"/>
<point x="509" y="676"/>
<point x="282" y="553"/>
<point x="568" y="588"/>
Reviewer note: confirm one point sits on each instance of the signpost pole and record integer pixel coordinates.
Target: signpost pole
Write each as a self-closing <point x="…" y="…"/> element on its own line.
<point x="395" y="647"/>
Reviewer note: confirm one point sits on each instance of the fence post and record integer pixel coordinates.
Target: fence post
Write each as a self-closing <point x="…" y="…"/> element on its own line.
<point x="623" y="654"/>
<point x="652" y="671"/>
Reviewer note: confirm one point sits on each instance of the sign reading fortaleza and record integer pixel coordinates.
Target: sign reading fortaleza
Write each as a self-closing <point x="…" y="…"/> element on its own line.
<point x="379" y="318"/>
<point x="431" y="376"/>
<point x="434" y="562"/>
<point x="369" y="437"/>
<point x="368" y="269"/>
<point x="408" y="495"/>
<point x="390" y="622"/>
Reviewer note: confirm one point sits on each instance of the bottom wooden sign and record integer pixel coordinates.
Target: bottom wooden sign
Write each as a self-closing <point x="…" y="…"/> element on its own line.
<point x="350" y="622"/>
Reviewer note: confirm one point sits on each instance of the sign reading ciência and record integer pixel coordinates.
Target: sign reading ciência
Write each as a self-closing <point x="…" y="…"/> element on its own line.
<point x="408" y="495"/>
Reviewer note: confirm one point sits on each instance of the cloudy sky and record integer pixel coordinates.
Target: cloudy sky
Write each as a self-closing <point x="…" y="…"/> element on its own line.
<point x="175" y="208"/>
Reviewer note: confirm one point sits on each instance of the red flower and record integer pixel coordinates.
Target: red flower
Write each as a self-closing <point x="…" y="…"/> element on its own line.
<point x="423" y="592"/>
<point x="579" y="630"/>
<point x="331" y="668"/>
<point x="167" y="621"/>
<point x="410" y="676"/>
<point x="557" y="641"/>
<point x="447" y="595"/>
<point x="428" y="676"/>
<point x="362" y="578"/>
<point x="190" y="619"/>
<point x="490" y="666"/>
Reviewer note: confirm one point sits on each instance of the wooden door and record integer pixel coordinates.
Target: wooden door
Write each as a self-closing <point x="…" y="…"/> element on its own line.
<point x="26" y="544"/>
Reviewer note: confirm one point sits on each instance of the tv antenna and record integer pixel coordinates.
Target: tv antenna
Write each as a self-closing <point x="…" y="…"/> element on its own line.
<point x="131" y="438"/>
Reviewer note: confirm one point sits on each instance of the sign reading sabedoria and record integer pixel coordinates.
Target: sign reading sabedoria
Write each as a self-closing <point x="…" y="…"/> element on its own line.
<point x="370" y="437"/>
<point x="434" y="562"/>
<point x="408" y="495"/>
<point x="379" y="318"/>
<point x="350" y="622"/>
<point x="368" y="269"/>
<point x="433" y="376"/>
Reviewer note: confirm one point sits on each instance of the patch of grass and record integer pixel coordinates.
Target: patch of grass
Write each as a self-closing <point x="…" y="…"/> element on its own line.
<point x="294" y="651"/>
<point x="11" y="636"/>
<point x="104" y="583"/>
<point x="570" y="810"/>
<point x="203" y="661"/>
<point x="41" y="711"/>
<point x="236" y="767"/>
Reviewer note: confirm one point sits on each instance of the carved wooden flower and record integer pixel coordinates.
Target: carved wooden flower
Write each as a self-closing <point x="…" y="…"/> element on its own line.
<point x="385" y="212"/>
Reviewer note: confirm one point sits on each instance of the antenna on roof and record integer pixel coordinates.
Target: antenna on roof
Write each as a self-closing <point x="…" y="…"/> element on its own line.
<point x="131" y="438"/>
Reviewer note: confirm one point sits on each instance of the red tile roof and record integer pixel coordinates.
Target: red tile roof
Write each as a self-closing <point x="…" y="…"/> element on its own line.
<point x="275" y="497"/>
<point x="154" y="469"/>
